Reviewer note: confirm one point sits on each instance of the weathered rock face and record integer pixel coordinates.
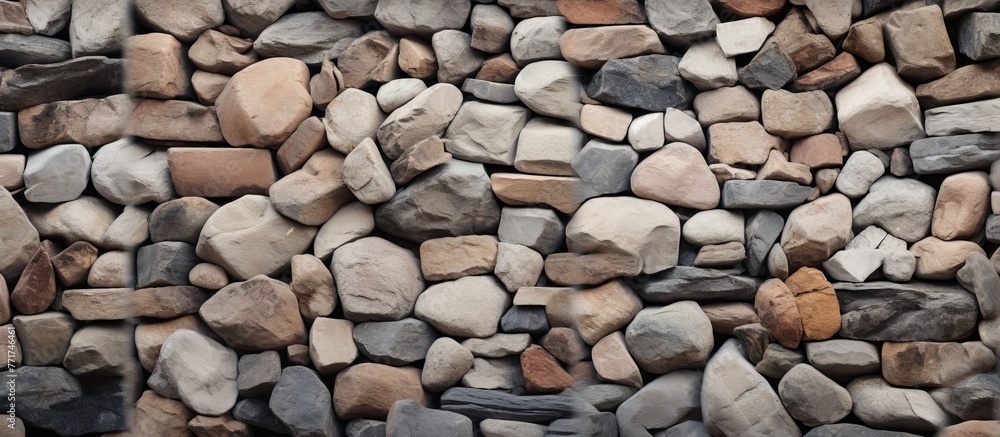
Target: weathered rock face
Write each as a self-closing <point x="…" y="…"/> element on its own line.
<point x="236" y="314"/>
<point x="205" y="381"/>
<point x="598" y="227"/>
<point x="885" y="311"/>
<point x="248" y="117"/>
<point x="816" y="230"/>
<point x="374" y="265"/>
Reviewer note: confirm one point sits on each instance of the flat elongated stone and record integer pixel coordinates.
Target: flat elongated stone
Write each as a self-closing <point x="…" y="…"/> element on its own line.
<point x="308" y="36"/>
<point x="968" y="83"/>
<point x="955" y="153"/>
<point x="880" y="405"/>
<point x="90" y="122"/>
<point x="622" y="82"/>
<point x="591" y="47"/>
<point x="965" y="118"/>
<point x="35" y="84"/>
<point x="766" y="194"/>
<point x="481" y="404"/>
<point x="220" y="172"/>
<point x="692" y="283"/>
<point x="886" y="311"/>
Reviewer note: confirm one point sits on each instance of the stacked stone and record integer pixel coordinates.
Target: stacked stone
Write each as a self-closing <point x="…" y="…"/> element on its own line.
<point x="511" y="218"/>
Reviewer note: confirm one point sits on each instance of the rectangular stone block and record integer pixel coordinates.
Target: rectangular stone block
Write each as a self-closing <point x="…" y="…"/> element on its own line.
<point x="220" y="172"/>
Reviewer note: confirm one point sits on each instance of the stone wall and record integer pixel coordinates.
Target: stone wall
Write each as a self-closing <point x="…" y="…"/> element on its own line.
<point x="501" y="218"/>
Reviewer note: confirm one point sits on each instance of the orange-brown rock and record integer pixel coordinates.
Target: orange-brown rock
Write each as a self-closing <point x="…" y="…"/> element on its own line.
<point x="418" y="158"/>
<point x="938" y="259"/>
<point x="447" y="258"/>
<point x="818" y="151"/>
<point x="309" y="137"/>
<point x="971" y="82"/>
<point x="372" y="58"/>
<point x="591" y="47"/>
<point x="829" y="76"/>
<point x="778" y="312"/>
<point x="542" y="373"/>
<point x="591" y="268"/>
<point x="594" y="312"/>
<point x="416" y="58"/>
<point x="750" y="8"/>
<point x="263" y="104"/>
<point x="217" y="52"/>
<point x="174" y="121"/>
<point x="368" y="390"/>
<point x="221" y="426"/>
<point x="36" y="289"/>
<point x="972" y="428"/>
<point x="726" y="316"/>
<point x="220" y="172"/>
<point x="156" y="67"/>
<point x="865" y="40"/>
<point x="934" y="364"/>
<point x="817" y="303"/>
<point x="602" y="11"/>
<point x="677" y="174"/>
<point x="963" y="202"/>
<point x="157" y="415"/>
<point x="500" y="68"/>
<point x="167" y="302"/>
<point x="560" y="192"/>
<point x="72" y="265"/>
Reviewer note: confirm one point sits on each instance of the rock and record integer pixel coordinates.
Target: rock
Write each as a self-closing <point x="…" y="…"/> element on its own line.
<point x="661" y="403"/>
<point x="605" y="122"/>
<point x="720" y="255"/>
<point x="692" y="283"/>
<point x="113" y="269"/>
<point x="368" y="390"/>
<point x="755" y="194"/>
<point x="777" y="167"/>
<point x="243" y="104"/>
<point x="373" y="265"/>
<point x="457" y="60"/>
<point x="804" y="387"/>
<point x="366" y="174"/>
<point x="351" y="118"/>
<point x="149" y="337"/>
<point x="99" y="27"/>
<point x="258" y="373"/>
<point x="761" y="232"/>
<point x="816" y="302"/>
<point x="167" y="302"/>
<point x="714" y="227"/>
<point x="453" y="310"/>
<point x="685" y="325"/>
<point x="591" y="47"/>
<point x="728" y="375"/>
<point x="679" y="166"/>
<point x="924" y="55"/>
<point x="778" y="360"/>
<point x="445" y="363"/>
<point x="72" y="265"/>
<point x="454" y="257"/>
<point x="591" y="12"/>
<point x="605" y="167"/>
<point x="309" y="137"/>
<point x="43" y="338"/>
<point x="817" y="151"/>
<point x="740" y="143"/>
<point x="417" y="58"/>
<point x="155" y="414"/>
<point x="779" y="313"/>
<point x="681" y="127"/>
<point x="537" y="39"/>
<point x="882" y="304"/>
<point x="726" y="105"/>
<point x="56" y="174"/>
<point x="490" y="91"/>
<point x="843" y="359"/>
<point x="546" y="146"/>
<point x="131" y="173"/>
<point x="743" y="36"/>
<point x="165" y="263"/>
<point x="12" y="171"/>
<point x="352" y="221"/>
<point x="517" y="266"/>
<point x="854" y="265"/>
<point x="954" y="153"/>
<point x="408" y="417"/>
<point x="620" y="82"/>
<point x="331" y="345"/>
<point x="97" y="350"/>
<point x="48" y="18"/>
<point x="592" y="230"/>
<point x="566" y="345"/>
<point x="590" y="269"/>
<point x="478" y="404"/>
<point x="614" y="363"/>
<point x="198" y="371"/>
<point x="157" y="71"/>
<point x="248" y="237"/>
<point x="369" y="59"/>
<point x="538" y="228"/>
<point x="647" y="132"/>
<point x="937" y="259"/>
<point x="878" y="94"/>
<point x="415" y="160"/>
<point x="976" y="36"/>
<point x="707" y="67"/>
<point x="311" y="37"/>
<point x="255" y="412"/>
<point x="979" y="277"/>
<point x="180" y="219"/>
<point x="63" y="123"/>
<point x="880" y="405"/>
<point x="36" y="288"/>
<point x="197" y="17"/>
<point x="770" y="68"/>
<point x="235" y="314"/>
<point x="929" y="364"/>
<point x="727" y="316"/>
<point x="973" y="399"/>
<point x="491" y="28"/>
<point x="341" y="9"/>
<point x="525" y="319"/>
<point x="961" y="206"/>
<point x="217" y="52"/>
<point x="816" y="230"/>
<point x="754" y="339"/>
<point x="899" y="266"/>
<point x="904" y="216"/>
<point x="542" y="373"/>
<point x="682" y="24"/>
<point x="472" y="138"/>
<point x="562" y="193"/>
<point x="252" y="18"/>
<point x="594" y="312"/>
<point x="795" y="115"/>
<point x="398" y="92"/>
<point x="207" y="426"/>
<point x="428" y="114"/>
<point x="62" y="220"/>
<point x="35" y="84"/>
<point x="963" y="118"/>
<point x="551" y="88"/>
<point x="54" y="392"/>
<point x="961" y="85"/>
<point x="403" y="18"/>
<point x="396" y="343"/>
<point x="830" y="76"/>
<point x="495" y="374"/>
<point x="220" y="172"/>
<point x="313" y="286"/>
<point x="302" y="403"/>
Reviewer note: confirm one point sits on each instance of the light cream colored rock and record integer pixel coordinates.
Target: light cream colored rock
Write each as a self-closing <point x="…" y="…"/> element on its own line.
<point x="398" y="92"/>
<point x="715" y="226"/>
<point x="652" y="233"/>
<point x="64" y="221"/>
<point x="376" y="280"/>
<point x="778" y="168"/>
<point x="366" y="174"/>
<point x="255" y="315"/>
<point x="938" y="259"/>
<point x="208" y="276"/>
<point x="646" y="133"/>
<point x="331" y="345"/>
<point x="725" y="105"/>
<point x="551" y="88"/>
<point x="594" y="312"/>
<point x="740" y="143"/>
<point x="517" y="266"/>
<point x="547" y="146"/>
<point x="860" y="171"/>
<point x="613" y="362"/>
<point x="678" y="126"/>
<point x="794" y="115"/>
<point x="11" y="171"/>
<point x="428" y="114"/>
<point x="743" y="36"/>
<point x="878" y="110"/>
<point x="485" y="132"/>
<point x="591" y="47"/>
<point x="448" y="258"/>
<point x="605" y="122"/>
<point x="352" y="221"/>
<point x="706" y="66"/>
<point x="468" y="307"/>
<point x="351" y="118"/>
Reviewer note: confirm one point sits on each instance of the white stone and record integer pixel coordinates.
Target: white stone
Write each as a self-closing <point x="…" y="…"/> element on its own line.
<point x="129" y="173"/>
<point x="646" y="133"/>
<point x="644" y="228"/>
<point x="678" y="126"/>
<point x="366" y="174"/>
<point x="57" y="174"/>
<point x="350" y="118"/>
<point x="99" y="27"/>
<point x="605" y="122"/>
<point x="485" y="132"/>
<point x="715" y="226"/>
<point x="536" y="39"/>
<point x="352" y="221"/>
<point x="860" y="171"/>
<point x="878" y="110"/>
<point x="396" y="93"/>
<point x="547" y="146"/>
<point x="707" y="67"/>
<point x="743" y="36"/>
<point x="197" y="370"/>
<point x="428" y="114"/>
<point x="854" y="265"/>
<point x="468" y="307"/>
<point x="551" y="88"/>
<point x="870" y="238"/>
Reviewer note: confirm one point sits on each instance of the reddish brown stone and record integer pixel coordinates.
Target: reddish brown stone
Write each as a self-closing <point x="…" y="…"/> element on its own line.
<point x="829" y="76"/>
<point x="174" y="121"/>
<point x="601" y="11"/>
<point x="156" y="67"/>
<point x="417" y="159"/>
<point x="542" y="373"/>
<point x="972" y="428"/>
<point x="36" y="289"/>
<point x="865" y="41"/>
<point x="73" y="264"/>
<point x="778" y="312"/>
<point x="222" y="426"/>
<point x="934" y="364"/>
<point x="371" y="58"/>
<point x="818" y="151"/>
<point x="307" y="139"/>
<point x="157" y="415"/>
<point x="217" y="52"/>
<point x="817" y="303"/>
<point x="971" y="82"/>
<point x="13" y="19"/>
<point x="750" y="8"/>
<point x="220" y="172"/>
<point x="560" y="192"/>
<point x="416" y="58"/>
<point x="368" y="390"/>
<point x="447" y="258"/>
<point x="590" y="269"/>
<point x="499" y="68"/>
<point x="167" y="302"/>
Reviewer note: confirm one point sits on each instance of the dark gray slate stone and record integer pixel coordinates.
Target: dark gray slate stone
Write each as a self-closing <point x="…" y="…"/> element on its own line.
<point x="606" y="397"/>
<point x="165" y="263"/>
<point x="8" y="131"/>
<point x="662" y="402"/>
<point x="308" y="36"/>
<point x="180" y="219"/>
<point x="35" y="84"/>
<point x="979" y="277"/>
<point x="455" y="198"/>
<point x="490" y="91"/>
<point x="256" y="412"/>
<point x="778" y="360"/>
<point x="770" y="68"/>
<point x="976" y="398"/>
<point x="993" y="228"/>
<point x="693" y="283"/>
<point x="395" y="343"/>
<point x="853" y="430"/>
<point x="979" y="35"/>
<point x="365" y="428"/>
<point x="51" y="398"/>
<point x="681" y="22"/>
<point x="916" y="311"/>
<point x="869" y="7"/>
<point x="478" y="404"/>
<point x="303" y="403"/>
<point x="17" y="50"/>
<point x="258" y="373"/>
<point x="754" y="340"/>
<point x="764" y="194"/>
<point x="956" y="153"/>
<point x="592" y="425"/>
<point x="529" y="319"/>
<point x="650" y="82"/>
<point x="408" y="418"/>
<point x="605" y="167"/>
<point x="762" y="230"/>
